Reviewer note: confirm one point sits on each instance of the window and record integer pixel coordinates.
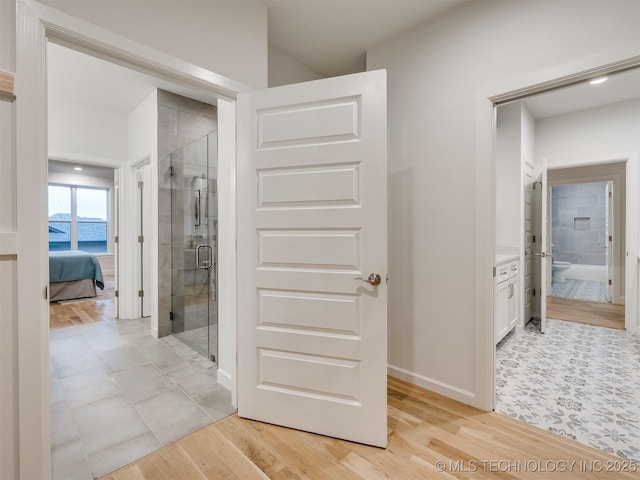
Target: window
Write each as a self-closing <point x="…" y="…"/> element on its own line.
<point x="78" y="219"/>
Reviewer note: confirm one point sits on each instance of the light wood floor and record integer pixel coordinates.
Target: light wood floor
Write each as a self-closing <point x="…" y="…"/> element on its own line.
<point x="581" y="311"/>
<point x="81" y="313"/>
<point x="425" y="429"/>
<point x="84" y="311"/>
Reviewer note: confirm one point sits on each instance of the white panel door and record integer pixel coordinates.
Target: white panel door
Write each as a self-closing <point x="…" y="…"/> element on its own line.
<point x="528" y="244"/>
<point x="144" y="231"/>
<point x="312" y="204"/>
<point x="545" y="273"/>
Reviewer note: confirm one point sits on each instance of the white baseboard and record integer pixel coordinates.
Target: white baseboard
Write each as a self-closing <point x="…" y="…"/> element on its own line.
<point x="432" y="385"/>
<point x="225" y="379"/>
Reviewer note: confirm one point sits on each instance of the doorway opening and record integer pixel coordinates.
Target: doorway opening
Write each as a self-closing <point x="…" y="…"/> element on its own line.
<point x="587" y="235"/>
<point x="117" y="391"/>
<point x="580" y="229"/>
<point x="560" y="373"/>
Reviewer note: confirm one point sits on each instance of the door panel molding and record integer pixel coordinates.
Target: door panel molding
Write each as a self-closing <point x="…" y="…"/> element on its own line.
<point x="312" y="196"/>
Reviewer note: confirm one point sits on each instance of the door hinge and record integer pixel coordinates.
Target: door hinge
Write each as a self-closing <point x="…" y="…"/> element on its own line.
<point x="534" y="292"/>
<point x="610" y="238"/>
<point x="171" y="170"/>
<point x="116" y="239"/>
<point x="610" y="282"/>
<point x="171" y="316"/>
<point x="116" y="294"/>
<point x="141" y="293"/>
<point x="494" y="272"/>
<point x="46" y="292"/>
<point x="140" y="238"/>
<point x="140" y="184"/>
<point x="534" y="239"/>
<point x="610" y="194"/>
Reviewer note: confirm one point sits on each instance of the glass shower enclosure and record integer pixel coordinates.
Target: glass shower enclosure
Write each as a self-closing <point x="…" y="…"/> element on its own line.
<point x="194" y="225"/>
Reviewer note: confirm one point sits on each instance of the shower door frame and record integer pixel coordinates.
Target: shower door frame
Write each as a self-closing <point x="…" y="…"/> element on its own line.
<point x="209" y="227"/>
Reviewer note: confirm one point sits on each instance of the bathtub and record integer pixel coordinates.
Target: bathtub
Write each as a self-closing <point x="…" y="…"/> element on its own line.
<point x="587" y="272"/>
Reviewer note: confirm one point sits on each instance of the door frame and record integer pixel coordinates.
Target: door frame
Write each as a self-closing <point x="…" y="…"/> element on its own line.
<point x="37" y="24"/>
<point x="487" y="99"/>
<point x="632" y="227"/>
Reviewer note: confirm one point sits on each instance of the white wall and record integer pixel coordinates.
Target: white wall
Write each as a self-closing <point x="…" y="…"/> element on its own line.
<point x="142" y="131"/>
<point x="589" y="133"/>
<point x="508" y="155"/>
<point x="229" y="38"/>
<point x="435" y="75"/>
<point x="528" y="139"/>
<point x="284" y="70"/>
<point x="84" y="133"/>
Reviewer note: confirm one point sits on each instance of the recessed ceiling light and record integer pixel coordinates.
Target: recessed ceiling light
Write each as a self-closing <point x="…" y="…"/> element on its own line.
<point x="77" y="168"/>
<point x="596" y="81"/>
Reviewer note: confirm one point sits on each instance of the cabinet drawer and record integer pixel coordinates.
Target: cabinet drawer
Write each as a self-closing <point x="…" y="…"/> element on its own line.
<point x="507" y="271"/>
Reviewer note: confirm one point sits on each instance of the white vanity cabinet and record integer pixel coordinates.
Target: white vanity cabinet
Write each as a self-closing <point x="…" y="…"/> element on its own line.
<point x="507" y="297"/>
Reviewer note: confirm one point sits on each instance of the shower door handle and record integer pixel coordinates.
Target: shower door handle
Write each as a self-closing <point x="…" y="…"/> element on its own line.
<point x="204" y="264"/>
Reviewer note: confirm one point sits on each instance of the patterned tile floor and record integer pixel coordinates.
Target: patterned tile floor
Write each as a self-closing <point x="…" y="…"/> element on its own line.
<point x="591" y="290"/>
<point x="579" y="381"/>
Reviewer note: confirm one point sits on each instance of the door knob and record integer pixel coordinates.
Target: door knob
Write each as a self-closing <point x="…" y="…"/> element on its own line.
<point x="374" y="279"/>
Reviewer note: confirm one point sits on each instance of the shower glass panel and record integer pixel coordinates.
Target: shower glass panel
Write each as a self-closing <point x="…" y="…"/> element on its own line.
<point x="194" y="223"/>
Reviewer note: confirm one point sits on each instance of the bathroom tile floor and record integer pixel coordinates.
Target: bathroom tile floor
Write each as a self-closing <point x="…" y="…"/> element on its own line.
<point x="202" y="339"/>
<point x="591" y="290"/>
<point x="579" y="381"/>
<point x="118" y="394"/>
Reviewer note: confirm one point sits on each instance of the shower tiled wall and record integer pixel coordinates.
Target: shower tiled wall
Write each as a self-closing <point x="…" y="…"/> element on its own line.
<point x="181" y="120"/>
<point x="578" y="218"/>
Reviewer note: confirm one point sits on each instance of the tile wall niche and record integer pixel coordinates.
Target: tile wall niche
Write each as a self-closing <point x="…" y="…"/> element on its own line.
<point x="181" y="120"/>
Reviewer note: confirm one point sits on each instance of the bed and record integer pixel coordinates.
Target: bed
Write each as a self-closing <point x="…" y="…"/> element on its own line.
<point x="73" y="274"/>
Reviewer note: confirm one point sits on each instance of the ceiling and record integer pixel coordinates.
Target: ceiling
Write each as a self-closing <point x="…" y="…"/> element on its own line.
<point x="328" y="36"/>
<point x="80" y="78"/>
<point x="90" y="170"/>
<point x="618" y="88"/>
<point x="332" y="36"/>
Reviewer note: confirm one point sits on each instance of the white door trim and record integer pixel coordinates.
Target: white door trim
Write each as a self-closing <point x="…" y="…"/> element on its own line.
<point x="486" y="99"/>
<point x="35" y="23"/>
